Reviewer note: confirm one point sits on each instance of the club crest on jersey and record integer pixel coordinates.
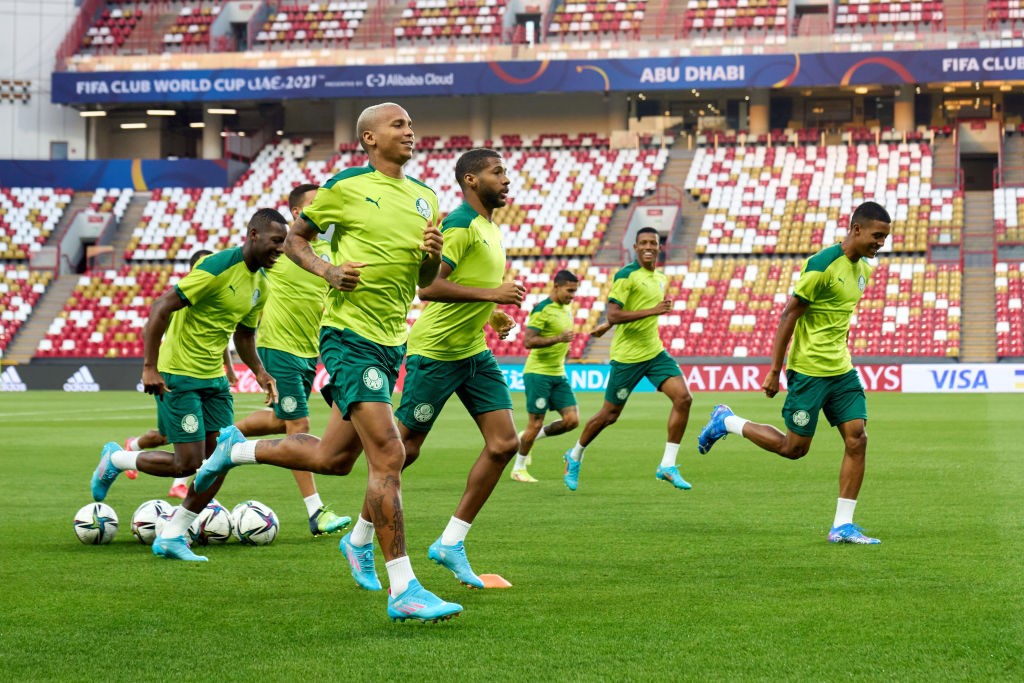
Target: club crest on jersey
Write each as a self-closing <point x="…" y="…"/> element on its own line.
<point x="801" y="418"/>
<point x="622" y="394"/>
<point x="542" y="403"/>
<point x="423" y="412"/>
<point x="423" y="208"/>
<point x="190" y="424"/>
<point x="289" y="404"/>
<point x="862" y="283"/>
<point x="373" y="379"/>
<point x="255" y="296"/>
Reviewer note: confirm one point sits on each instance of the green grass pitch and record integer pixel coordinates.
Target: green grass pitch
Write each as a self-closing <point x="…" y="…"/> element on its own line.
<point x="626" y="579"/>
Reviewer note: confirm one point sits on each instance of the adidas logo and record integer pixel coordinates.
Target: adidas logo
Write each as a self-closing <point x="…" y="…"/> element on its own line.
<point x="81" y="381"/>
<point x="10" y="380"/>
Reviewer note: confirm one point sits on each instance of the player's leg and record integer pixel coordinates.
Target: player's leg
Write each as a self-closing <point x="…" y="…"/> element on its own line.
<point x="262" y="422"/>
<point x="527" y="437"/>
<point x="151" y="439"/>
<point x="846" y="408"/>
<point x="674" y="387"/>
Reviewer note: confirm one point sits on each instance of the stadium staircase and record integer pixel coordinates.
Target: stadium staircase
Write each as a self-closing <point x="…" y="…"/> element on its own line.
<point x="1013" y="154"/>
<point x="49" y="306"/>
<point x="682" y="239"/>
<point x="978" y="340"/>
<point x="610" y="252"/>
<point x="145" y="38"/>
<point x="964" y="15"/>
<point x="321" y="149"/>
<point x="598" y="350"/>
<point x="79" y="202"/>
<point x="129" y="221"/>
<point x="944" y="173"/>
<point x="661" y="19"/>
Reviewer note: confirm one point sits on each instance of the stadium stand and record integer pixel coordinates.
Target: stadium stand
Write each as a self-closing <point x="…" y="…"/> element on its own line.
<point x="861" y="15"/>
<point x="1009" y="283"/>
<point x="112" y="29"/>
<point x="20" y="289"/>
<point x="27" y="217"/>
<point x="316" y="24"/>
<point x="573" y="20"/>
<point x="789" y="199"/>
<point x="735" y="17"/>
<point x="113" y="201"/>
<point x="191" y="28"/>
<point x="1008" y="214"/>
<point x="1004" y="12"/>
<point x="433" y="20"/>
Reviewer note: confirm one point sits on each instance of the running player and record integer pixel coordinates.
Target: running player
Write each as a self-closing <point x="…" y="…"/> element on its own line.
<point x="819" y="372"/>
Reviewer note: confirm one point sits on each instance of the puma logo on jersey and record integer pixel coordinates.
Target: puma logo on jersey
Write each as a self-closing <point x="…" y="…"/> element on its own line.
<point x="232" y="288"/>
<point x="375" y="203"/>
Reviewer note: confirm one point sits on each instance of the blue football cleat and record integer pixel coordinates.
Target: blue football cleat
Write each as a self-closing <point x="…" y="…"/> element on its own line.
<point x="175" y="548"/>
<point x="219" y="461"/>
<point x="105" y="473"/>
<point x="671" y="474"/>
<point x="453" y="558"/>
<point x="714" y="429"/>
<point x="360" y="562"/>
<point x="850" y="533"/>
<point x="416" y="602"/>
<point x="572" y="471"/>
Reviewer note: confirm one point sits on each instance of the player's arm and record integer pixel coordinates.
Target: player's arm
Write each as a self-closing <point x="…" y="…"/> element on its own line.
<point x="159" y="318"/>
<point x="298" y="245"/>
<point x="600" y="329"/>
<point x="534" y="340"/>
<point x="444" y="290"/>
<point x="431" y="247"/>
<point x="793" y="311"/>
<point x="618" y="315"/>
<point x="245" y="344"/>
<point x="229" y="367"/>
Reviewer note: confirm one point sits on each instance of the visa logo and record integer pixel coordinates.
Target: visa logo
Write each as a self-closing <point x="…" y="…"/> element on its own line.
<point x="960" y="379"/>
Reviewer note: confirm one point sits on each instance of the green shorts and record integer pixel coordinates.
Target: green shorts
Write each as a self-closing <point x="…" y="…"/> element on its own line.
<point x="624" y="377"/>
<point x="430" y="383"/>
<point x="294" y="376"/>
<point x="193" y="408"/>
<point x="841" y="397"/>
<point x="360" y="370"/>
<point x="547" y="392"/>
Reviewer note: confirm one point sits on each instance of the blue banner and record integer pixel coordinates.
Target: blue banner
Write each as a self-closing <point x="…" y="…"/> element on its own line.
<point x="494" y="78"/>
<point x="138" y="174"/>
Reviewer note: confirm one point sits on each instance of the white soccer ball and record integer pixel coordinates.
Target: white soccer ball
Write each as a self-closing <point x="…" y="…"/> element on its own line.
<point x="255" y="523"/>
<point x="213" y="525"/>
<point x="96" y="524"/>
<point x="147" y="517"/>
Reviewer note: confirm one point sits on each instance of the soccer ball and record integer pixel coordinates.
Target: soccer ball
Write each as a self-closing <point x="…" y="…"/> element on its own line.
<point x="146" y="518"/>
<point x="213" y="525"/>
<point x="255" y="523"/>
<point x="96" y="524"/>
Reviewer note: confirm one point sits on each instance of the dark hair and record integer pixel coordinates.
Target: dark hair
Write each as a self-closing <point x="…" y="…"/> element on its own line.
<point x="194" y="258"/>
<point x="263" y="218"/>
<point x="649" y="229"/>
<point x="870" y="211"/>
<point x="564" y="276"/>
<point x="295" y="196"/>
<point x="473" y="162"/>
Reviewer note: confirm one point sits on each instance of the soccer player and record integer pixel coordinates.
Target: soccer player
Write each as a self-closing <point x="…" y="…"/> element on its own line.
<point x="819" y="372"/>
<point x="224" y="294"/>
<point x="634" y="304"/>
<point x="448" y="351"/>
<point x="548" y="333"/>
<point x="386" y="243"/>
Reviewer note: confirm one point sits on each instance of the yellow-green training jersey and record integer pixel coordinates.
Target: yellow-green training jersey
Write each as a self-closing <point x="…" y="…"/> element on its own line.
<point x="548" y="319"/>
<point x="832" y="285"/>
<point x="635" y="288"/>
<point x="221" y="293"/>
<point x="474" y="251"/>
<point x="291" y="318"/>
<point x="379" y="221"/>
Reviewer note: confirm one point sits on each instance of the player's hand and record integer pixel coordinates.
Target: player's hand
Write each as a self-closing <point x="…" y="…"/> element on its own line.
<point x="663" y="307"/>
<point x="269" y="386"/>
<point x="567" y="336"/>
<point x="232" y="377"/>
<point x="153" y="382"/>
<point x="345" y="277"/>
<point x="771" y="384"/>
<point x="509" y="293"/>
<point x="432" y="241"/>
<point x="502" y="323"/>
<point x="599" y="330"/>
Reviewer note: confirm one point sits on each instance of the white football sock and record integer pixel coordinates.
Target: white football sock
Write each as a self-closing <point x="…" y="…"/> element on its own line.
<point x="844" y="512"/>
<point x="541" y="434"/>
<point x="313" y="503"/>
<point x="669" y="458"/>
<point x="132" y="444"/>
<point x="180" y="481"/>
<point x="520" y="462"/>
<point x="455" y="531"/>
<point x="577" y="452"/>
<point x="244" y="453"/>
<point x="179" y="523"/>
<point x="400" y="574"/>
<point x="124" y="460"/>
<point x="734" y="424"/>
<point x="362" y="532"/>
